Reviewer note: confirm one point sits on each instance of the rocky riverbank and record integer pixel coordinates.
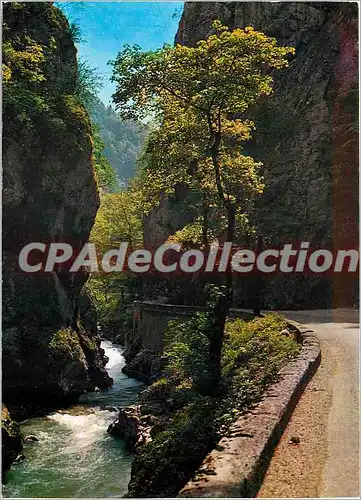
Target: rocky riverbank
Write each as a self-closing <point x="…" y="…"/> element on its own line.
<point x="144" y="365"/>
<point x="11" y="440"/>
<point x="177" y="422"/>
<point x="74" y="456"/>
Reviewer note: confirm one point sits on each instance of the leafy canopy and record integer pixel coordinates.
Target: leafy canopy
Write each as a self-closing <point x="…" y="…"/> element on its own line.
<point x="104" y="172"/>
<point x="117" y="221"/>
<point x="199" y="97"/>
<point x="226" y="72"/>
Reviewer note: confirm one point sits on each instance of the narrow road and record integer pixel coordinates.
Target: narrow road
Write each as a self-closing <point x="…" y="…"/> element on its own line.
<point x="325" y="463"/>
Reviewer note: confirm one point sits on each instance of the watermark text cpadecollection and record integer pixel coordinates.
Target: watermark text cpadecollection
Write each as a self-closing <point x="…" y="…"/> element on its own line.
<point x="168" y="258"/>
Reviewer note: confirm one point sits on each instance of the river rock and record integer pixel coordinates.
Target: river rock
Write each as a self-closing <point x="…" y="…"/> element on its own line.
<point x="50" y="349"/>
<point x="11" y="440"/>
<point x="108" y="408"/>
<point x="30" y="439"/>
<point x="132" y="427"/>
<point x="132" y="348"/>
<point x="146" y="366"/>
<point x="19" y="458"/>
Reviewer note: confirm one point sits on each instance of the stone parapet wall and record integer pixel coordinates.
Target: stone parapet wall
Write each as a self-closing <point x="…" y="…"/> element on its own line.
<point x="151" y="319"/>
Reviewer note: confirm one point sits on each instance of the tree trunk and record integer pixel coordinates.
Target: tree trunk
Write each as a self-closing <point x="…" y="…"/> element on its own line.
<point x="224" y="299"/>
<point x="258" y="283"/>
<point x="220" y="313"/>
<point x="231" y="227"/>
<point x="205" y="226"/>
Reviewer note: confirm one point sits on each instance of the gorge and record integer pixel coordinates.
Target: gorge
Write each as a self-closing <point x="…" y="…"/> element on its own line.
<point x="60" y="376"/>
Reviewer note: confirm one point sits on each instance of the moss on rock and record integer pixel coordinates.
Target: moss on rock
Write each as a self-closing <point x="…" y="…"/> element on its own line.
<point x="11" y="440"/>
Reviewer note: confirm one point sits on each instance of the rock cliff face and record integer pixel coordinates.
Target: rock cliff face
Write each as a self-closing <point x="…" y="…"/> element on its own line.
<point x="11" y="440"/>
<point x="49" y="195"/>
<point x="306" y="136"/>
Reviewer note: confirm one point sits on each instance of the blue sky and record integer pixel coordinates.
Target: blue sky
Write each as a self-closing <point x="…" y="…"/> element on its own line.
<point x="106" y="26"/>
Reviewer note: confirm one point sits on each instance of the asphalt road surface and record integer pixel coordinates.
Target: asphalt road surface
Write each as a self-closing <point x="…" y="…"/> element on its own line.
<point x="325" y="462"/>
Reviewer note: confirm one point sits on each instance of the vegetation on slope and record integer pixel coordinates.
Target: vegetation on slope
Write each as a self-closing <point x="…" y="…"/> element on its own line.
<point x="123" y="140"/>
<point x="117" y="222"/>
<point x="201" y="96"/>
<point x="190" y="423"/>
<point x="40" y="78"/>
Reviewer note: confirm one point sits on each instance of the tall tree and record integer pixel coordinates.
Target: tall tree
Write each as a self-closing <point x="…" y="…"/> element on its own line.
<point x="200" y="96"/>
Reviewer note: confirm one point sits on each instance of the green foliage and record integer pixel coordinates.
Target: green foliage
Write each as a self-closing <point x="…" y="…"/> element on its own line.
<point x="88" y="83"/>
<point x="226" y="68"/>
<point x="65" y="343"/>
<point x="199" y="97"/>
<point x="24" y="59"/>
<point x="187" y="348"/>
<point x="75" y="33"/>
<point x="105" y="173"/>
<point x="168" y="460"/>
<point x="117" y="221"/>
<point x="23" y="71"/>
<point x="253" y="353"/>
<point x="113" y="297"/>
<point x="43" y="91"/>
<point x="40" y="85"/>
<point x="190" y="236"/>
<point x="123" y="139"/>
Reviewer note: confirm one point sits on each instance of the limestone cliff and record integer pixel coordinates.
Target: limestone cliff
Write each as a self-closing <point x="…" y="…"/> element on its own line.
<point x="306" y="136"/>
<point x="49" y="194"/>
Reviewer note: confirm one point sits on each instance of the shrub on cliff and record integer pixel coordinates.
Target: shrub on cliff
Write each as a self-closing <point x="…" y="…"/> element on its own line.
<point x="188" y="351"/>
<point x="11" y="440"/>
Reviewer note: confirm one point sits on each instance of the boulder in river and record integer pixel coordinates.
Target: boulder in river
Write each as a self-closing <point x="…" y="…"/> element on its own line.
<point x="108" y="408"/>
<point x="131" y="426"/>
<point x="30" y="439"/>
<point x="145" y="366"/>
<point x="19" y="458"/>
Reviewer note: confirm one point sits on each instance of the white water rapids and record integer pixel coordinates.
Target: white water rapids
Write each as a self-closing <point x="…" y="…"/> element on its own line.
<point x="75" y="457"/>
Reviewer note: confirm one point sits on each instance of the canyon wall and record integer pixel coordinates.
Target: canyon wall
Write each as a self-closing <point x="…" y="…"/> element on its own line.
<point x="306" y="137"/>
<point x="51" y="352"/>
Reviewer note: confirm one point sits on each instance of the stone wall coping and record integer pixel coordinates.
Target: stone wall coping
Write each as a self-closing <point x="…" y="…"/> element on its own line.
<point x="155" y="306"/>
<point x="236" y="468"/>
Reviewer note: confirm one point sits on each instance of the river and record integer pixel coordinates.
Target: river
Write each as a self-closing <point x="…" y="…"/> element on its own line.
<point x="75" y="457"/>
